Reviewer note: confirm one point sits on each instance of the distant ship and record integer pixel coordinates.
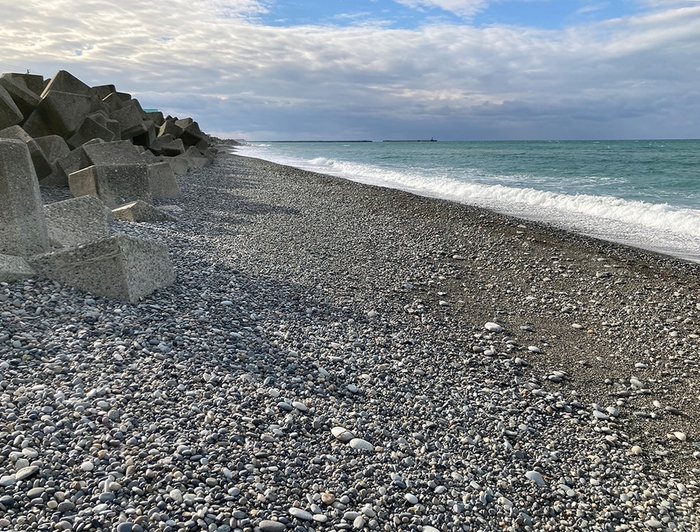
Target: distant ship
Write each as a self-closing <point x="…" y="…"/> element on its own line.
<point x="431" y="140"/>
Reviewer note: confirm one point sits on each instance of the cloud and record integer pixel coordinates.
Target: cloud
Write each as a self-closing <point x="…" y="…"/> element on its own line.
<point x="462" y="8"/>
<point x="217" y="62"/>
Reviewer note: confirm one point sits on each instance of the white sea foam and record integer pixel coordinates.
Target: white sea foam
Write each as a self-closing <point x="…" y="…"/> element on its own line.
<point x="659" y="227"/>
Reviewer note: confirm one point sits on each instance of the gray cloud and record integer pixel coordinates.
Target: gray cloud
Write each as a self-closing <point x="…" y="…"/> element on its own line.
<point x="631" y="77"/>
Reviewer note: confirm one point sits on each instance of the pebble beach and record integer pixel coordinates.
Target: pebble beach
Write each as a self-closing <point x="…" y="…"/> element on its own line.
<point x="339" y="356"/>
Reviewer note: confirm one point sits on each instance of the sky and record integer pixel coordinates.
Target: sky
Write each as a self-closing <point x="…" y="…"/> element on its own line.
<point x="380" y="69"/>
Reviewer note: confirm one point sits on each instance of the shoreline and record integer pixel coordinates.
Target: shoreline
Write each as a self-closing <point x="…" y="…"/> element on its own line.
<point x="682" y="244"/>
<point x="306" y="303"/>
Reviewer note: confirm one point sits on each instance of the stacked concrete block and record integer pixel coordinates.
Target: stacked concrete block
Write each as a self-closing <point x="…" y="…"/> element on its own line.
<point x="14" y="269"/>
<point x="77" y="221"/>
<point x="54" y="147"/>
<point x="42" y="166"/>
<point x="33" y="82"/>
<point x="23" y="229"/>
<point x="108" y="153"/>
<point x="25" y="100"/>
<point x="59" y="113"/>
<point x="10" y="114"/>
<point x="119" y="266"/>
<point x="101" y="144"/>
<point x="162" y="182"/>
<point x="114" y="184"/>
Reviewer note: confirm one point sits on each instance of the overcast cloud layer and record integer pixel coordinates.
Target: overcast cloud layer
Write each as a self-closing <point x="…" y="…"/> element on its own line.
<point x="630" y="77"/>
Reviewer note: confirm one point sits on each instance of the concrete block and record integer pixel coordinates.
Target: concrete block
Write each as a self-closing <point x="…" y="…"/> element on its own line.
<point x="25" y="100"/>
<point x="14" y="269"/>
<point x="33" y="82"/>
<point x="184" y="122"/>
<point x="114" y="184"/>
<point x="170" y="128"/>
<point x="41" y="163"/>
<point x="140" y="211"/>
<point x="64" y="81"/>
<point x="64" y="166"/>
<point x="58" y="113"/>
<point x="172" y="149"/>
<point x="22" y="224"/>
<point x="179" y="165"/>
<point x="114" y="127"/>
<point x="120" y="267"/>
<point x="157" y="145"/>
<point x="113" y="102"/>
<point x="88" y="130"/>
<point x="202" y="146"/>
<point x="53" y="146"/>
<point x="116" y="152"/>
<point x="10" y="114"/>
<point x="104" y="90"/>
<point x="191" y="135"/>
<point x="195" y="159"/>
<point x="147" y="138"/>
<point x="162" y="180"/>
<point x="157" y="118"/>
<point x="130" y="120"/>
<point x="77" y="221"/>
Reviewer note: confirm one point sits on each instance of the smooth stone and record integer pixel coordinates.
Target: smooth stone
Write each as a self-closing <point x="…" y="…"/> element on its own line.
<point x="493" y="327"/>
<point x="271" y="526"/>
<point x="412" y="499"/>
<point x="300" y="406"/>
<point x="124" y="527"/>
<point x="7" y="481"/>
<point x="361" y="445"/>
<point x="358" y="523"/>
<point x="301" y="514"/>
<point x="327" y="498"/>
<point x="535" y="477"/>
<point x="602" y="416"/>
<point x="342" y="434"/>
<point x="352" y="388"/>
<point x="87" y="466"/>
<point x="653" y="523"/>
<point x="534" y="349"/>
<point x="26" y="472"/>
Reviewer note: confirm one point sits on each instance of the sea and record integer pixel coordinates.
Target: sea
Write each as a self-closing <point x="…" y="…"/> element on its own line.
<point x="643" y="193"/>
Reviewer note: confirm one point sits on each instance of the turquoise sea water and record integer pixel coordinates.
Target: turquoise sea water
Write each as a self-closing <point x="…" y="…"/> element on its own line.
<point x="642" y="193"/>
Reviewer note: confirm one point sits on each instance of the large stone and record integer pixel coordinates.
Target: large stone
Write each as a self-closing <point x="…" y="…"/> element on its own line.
<point x="58" y="113"/>
<point x="191" y="134"/>
<point x="172" y="149"/>
<point x="117" y="152"/>
<point x="162" y="181"/>
<point x="194" y="158"/>
<point x="140" y="211"/>
<point x="10" y="114"/>
<point x="170" y="128"/>
<point x="33" y="82"/>
<point x="64" y="166"/>
<point x="42" y="166"/>
<point x="64" y="81"/>
<point x="25" y="99"/>
<point x="53" y="146"/>
<point x="157" y="145"/>
<point x="157" y="118"/>
<point x="113" y="102"/>
<point x="179" y="165"/>
<point x="90" y="129"/>
<point x="77" y="221"/>
<point x="130" y="120"/>
<point x="114" y="184"/>
<point x="119" y="266"/>
<point x="104" y="90"/>
<point x="147" y="138"/>
<point x="22" y="224"/>
<point x="14" y="268"/>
